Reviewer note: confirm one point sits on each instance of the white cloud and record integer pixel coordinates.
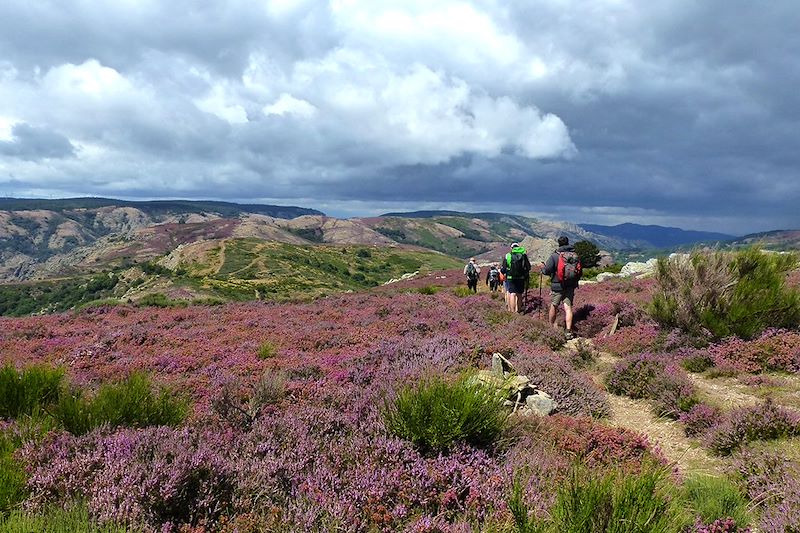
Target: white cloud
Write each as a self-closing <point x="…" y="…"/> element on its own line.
<point x="287" y="104"/>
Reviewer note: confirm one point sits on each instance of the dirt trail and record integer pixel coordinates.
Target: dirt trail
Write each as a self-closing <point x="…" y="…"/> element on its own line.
<point x="667" y="434"/>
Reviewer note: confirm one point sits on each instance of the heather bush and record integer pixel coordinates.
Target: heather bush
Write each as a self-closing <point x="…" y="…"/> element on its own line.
<point x="655" y="378"/>
<point x="27" y="391"/>
<point x="462" y="292"/>
<point x="435" y="413"/>
<point x="773" y="483"/>
<point x="699" y="419"/>
<point x="697" y="362"/>
<point x="719" y="504"/>
<point x="428" y="289"/>
<point x="632" y="339"/>
<point x="239" y="405"/>
<point x="131" y="403"/>
<point x="775" y="349"/>
<point x="575" y="393"/>
<point x="761" y="422"/>
<point x="726" y="294"/>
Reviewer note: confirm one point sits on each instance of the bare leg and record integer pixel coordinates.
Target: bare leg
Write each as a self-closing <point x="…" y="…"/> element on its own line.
<point x="568" y="316"/>
<point x="551" y="315"/>
<point x="513" y="301"/>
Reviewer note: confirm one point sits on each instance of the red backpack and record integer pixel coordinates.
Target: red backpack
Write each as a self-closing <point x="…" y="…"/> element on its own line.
<point x="569" y="269"/>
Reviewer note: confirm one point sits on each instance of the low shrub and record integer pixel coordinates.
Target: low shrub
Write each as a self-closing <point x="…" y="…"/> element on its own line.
<point x="697" y="362"/>
<point x="648" y="376"/>
<point x="726" y="294"/>
<point x="629" y="340"/>
<point x="772" y="482"/>
<point x="575" y="392"/>
<point x="130" y="403"/>
<point x="699" y="419"/>
<point x="617" y="503"/>
<point x="239" y="406"/>
<point x="435" y="413"/>
<point x="462" y="292"/>
<point x="720" y="505"/>
<point x="12" y="476"/>
<point x="267" y="350"/>
<point x="26" y="391"/>
<point x="774" y="350"/>
<point x="428" y="289"/>
<point x="760" y="422"/>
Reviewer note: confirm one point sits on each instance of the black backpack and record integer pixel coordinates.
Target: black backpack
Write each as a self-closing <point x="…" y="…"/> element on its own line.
<point x="472" y="273"/>
<point x="520" y="266"/>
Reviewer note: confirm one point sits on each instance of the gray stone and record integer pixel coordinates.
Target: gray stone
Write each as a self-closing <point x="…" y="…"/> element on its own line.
<point x="602" y="276"/>
<point x="540" y="404"/>
<point x="501" y="365"/>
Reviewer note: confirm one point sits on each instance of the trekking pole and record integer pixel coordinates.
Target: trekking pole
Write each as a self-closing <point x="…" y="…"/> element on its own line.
<point x="541" y="302"/>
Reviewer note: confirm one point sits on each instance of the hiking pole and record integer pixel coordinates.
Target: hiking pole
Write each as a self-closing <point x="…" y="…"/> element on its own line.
<point x="541" y="302"/>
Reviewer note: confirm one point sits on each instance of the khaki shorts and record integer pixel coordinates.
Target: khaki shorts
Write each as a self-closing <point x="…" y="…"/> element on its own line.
<point x="566" y="296"/>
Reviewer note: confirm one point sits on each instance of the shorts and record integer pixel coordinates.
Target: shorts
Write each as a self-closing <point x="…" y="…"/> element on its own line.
<point x="516" y="286"/>
<point x="505" y="285"/>
<point x="565" y="295"/>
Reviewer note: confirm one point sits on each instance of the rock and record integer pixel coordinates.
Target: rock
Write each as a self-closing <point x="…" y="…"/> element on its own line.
<point x="603" y="276"/>
<point x="575" y="345"/>
<point x="501" y="365"/>
<point x="540" y="404"/>
<point x="639" y="269"/>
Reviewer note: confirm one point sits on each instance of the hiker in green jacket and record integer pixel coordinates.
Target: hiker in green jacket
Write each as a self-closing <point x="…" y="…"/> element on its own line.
<point x="518" y="269"/>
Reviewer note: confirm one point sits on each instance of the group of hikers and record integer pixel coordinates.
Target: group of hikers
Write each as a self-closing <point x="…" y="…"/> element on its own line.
<point x="512" y="276"/>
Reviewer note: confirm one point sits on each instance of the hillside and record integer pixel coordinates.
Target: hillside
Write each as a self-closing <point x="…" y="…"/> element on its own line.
<point x="770" y="240"/>
<point x="652" y="236"/>
<point x="227" y="269"/>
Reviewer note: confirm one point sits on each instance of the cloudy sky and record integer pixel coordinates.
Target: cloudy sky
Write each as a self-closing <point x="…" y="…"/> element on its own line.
<point x="675" y="112"/>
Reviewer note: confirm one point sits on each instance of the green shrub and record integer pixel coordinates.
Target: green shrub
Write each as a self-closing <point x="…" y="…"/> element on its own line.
<point x="130" y="403"/>
<point x="25" y="392"/>
<point x="435" y="413"/>
<point x="462" y="292"/>
<point x="726" y="294"/>
<point x="697" y="363"/>
<point x="12" y="477"/>
<point x="716" y="498"/>
<point x="158" y="299"/>
<point x="267" y="350"/>
<point x="428" y="289"/>
<point x="617" y="503"/>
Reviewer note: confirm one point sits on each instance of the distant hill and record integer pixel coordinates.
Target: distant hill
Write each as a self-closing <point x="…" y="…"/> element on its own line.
<point x="156" y="207"/>
<point x="652" y="236"/>
<point x="771" y="240"/>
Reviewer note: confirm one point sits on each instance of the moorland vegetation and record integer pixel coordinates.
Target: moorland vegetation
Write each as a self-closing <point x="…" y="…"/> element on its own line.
<point x="356" y="412"/>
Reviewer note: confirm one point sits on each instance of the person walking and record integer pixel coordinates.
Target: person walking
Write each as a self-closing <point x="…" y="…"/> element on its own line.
<point x="518" y="268"/>
<point x="564" y="269"/>
<point x="473" y="273"/>
<point x="493" y="278"/>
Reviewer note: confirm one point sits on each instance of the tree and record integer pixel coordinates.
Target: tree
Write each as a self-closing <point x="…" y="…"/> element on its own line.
<point x="588" y="253"/>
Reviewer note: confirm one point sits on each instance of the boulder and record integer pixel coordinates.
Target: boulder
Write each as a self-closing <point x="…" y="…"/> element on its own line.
<point x="603" y="276"/>
<point x="540" y="403"/>
<point x="501" y="366"/>
<point x="639" y="269"/>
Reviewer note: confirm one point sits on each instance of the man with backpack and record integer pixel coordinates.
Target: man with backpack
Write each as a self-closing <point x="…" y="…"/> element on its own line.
<point x="472" y="272"/>
<point x="517" y="270"/>
<point x="564" y="268"/>
<point x="493" y="278"/>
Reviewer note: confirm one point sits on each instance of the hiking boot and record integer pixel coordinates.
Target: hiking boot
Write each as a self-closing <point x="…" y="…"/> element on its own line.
<point x="569" y="335"/>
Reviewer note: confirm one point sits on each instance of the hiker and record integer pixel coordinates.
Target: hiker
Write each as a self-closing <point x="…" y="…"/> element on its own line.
<point x="564" y="269"/>
<point x="493" y="278"/>
<point x="518" y="269"/>
<point x="472" y="272"/>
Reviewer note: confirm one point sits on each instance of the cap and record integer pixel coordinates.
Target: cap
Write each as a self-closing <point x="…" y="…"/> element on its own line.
<point x="514" y="244"/>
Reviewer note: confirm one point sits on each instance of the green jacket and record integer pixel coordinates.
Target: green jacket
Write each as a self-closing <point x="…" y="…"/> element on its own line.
<point x="507" y="262"/>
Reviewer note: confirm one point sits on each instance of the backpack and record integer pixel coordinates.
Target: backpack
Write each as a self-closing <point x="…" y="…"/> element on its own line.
<point x="518" y="265"/>
<point x="494" y="275"/>
<point x="472" y="274"/>
<point x="569" y="269"/>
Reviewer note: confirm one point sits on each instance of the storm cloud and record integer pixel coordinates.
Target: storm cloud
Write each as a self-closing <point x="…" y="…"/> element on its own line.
<point x="678" y="112"/>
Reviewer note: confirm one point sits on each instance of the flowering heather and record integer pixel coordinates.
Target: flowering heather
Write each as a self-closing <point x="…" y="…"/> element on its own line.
<point x="575" y="393"/>
<point x="722" y="525"/>
<point x="699" y="419"/>
<point x="632" y="339"/>
<point x="774" y="483"/>
<point x="761" y="422"/>
<point x="654" y="377"/>
<point x="775" y="349"/>
<point x="761" y="381"/>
